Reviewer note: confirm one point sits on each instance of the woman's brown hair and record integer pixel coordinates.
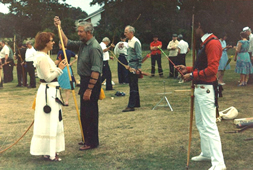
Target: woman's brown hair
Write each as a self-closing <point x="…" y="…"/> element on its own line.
<point x="41" y="40"/>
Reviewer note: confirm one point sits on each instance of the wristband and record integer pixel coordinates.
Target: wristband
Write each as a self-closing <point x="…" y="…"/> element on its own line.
<point x="93" y="78"/>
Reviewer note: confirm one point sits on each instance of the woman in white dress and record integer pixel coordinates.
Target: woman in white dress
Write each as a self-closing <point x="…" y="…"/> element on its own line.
<point x="48" y="133"/>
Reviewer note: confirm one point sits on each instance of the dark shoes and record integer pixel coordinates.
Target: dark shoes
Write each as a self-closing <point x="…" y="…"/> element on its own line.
<point x="85" y="147"/>
<point x="31" y="87"/>
<point x="128" y="109"/>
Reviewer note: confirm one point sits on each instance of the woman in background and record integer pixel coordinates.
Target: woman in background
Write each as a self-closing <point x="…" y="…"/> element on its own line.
<point x="64" y="78"/>
<point x="224" y="58"/>
<point x="242" y="58"/>
<point x="48" y="133"/>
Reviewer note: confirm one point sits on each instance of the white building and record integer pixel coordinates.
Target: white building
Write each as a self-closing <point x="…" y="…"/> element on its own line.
<point x="94" y="18"/>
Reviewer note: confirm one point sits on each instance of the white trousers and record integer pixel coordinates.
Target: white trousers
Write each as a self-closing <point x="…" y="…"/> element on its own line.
<point x="205" y="115"/>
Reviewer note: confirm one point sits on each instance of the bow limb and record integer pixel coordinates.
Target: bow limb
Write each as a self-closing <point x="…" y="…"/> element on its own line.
<point x="132" y="70"/>
<point x="18" y="139"/>
<point x="136" y="19"/>
<point x="71" y="82"/>
<point x="170" y="61"/>
<point x="114" y="56"/>
<point x="192" y="91"/>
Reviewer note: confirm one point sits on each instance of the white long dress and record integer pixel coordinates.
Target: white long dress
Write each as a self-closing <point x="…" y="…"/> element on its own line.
<point x="48" y="132"/>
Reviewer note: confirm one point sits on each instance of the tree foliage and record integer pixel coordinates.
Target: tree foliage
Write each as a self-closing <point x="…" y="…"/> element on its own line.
<point x="28" y="17"/>
<point x="166" y="17"/>
<point x="163" y="18"/>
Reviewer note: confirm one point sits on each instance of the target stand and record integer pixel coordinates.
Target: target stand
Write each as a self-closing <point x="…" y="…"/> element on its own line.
<point x="164" y="98"/>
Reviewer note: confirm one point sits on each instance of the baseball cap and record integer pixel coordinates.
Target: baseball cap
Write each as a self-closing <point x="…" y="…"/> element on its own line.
<point x="245" y="29"/>
<point x="180" y="36"/>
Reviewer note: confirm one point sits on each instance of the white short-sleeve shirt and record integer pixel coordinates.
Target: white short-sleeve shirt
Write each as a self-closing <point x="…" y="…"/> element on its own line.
<point x="106" y="56"/>
<point x="5" y="50"/>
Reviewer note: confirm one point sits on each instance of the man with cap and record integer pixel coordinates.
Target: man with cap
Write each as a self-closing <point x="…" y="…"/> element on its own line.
<point x="248" y="31"/>
<point x="156" y="56"/>
<point x="6" y="56"/>
<point x="183" y="49"/>
<point x="173" y="50"/>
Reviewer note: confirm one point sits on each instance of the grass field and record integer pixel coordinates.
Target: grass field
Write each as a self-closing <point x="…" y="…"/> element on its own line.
<point x="143" y="139"/>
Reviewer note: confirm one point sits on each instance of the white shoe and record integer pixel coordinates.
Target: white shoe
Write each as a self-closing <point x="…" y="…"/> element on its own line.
<point x="181" y="81"/>
<point x="216" y="167"/>
<point x="200" y="158"/>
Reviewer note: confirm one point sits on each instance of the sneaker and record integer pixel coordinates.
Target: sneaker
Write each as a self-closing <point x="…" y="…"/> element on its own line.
<point x="200" y="158"/>
<point x="222" y="84"/>
<point x="218" y="167"/>
<point x="181" y="81"/>
<point x="128" y="109"/>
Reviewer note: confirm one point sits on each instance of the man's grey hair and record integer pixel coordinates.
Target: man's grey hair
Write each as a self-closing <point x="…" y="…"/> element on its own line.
<point x="106" y="39"/>
<point x="29" y="42"/>
<point x="130" y="29"/>
<point x="88" y="27"/>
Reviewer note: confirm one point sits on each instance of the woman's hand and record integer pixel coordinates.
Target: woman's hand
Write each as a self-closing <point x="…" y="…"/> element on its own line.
<point x="62" y="64"/>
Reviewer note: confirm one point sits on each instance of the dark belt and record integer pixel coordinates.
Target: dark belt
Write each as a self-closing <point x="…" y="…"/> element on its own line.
<point x="133" y="60"/>
<point x="122" y="54"/>
<point x="43" y="81"/>
<point x="217" y="89"/>
<point x="203" y="82"/>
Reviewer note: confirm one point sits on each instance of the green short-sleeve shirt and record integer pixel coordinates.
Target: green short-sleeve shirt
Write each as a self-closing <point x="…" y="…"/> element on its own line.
<point x="90" y="56"/>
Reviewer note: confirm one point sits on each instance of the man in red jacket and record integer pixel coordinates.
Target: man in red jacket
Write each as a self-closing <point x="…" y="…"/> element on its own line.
<point x="156" y="56"/>
<point x="204" y="76"/>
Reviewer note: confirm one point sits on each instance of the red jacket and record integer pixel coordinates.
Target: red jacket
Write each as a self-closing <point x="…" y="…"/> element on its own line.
<point x="213" y="51"/>
<point x="155" y="44"/>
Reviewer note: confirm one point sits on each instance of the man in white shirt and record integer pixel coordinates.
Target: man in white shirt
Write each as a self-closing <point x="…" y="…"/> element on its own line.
<point x="106" y="74"/>
<point x="29" y="58"/>
<point x="183" y="49"/>
<point x="173" y="50"/>
<point x="6" y="55"/>
<point x="248" y="31"/>
<point x="121" y="50"/>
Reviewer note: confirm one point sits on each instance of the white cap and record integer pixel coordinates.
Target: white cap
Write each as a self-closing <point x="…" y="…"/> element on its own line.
<point x="245" y="29"/>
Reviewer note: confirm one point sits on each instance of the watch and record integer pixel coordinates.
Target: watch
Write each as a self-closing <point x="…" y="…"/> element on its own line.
<point x="191" y="75"/>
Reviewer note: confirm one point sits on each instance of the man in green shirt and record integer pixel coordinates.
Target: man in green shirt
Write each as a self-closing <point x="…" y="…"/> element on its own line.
<point x="89" y="68"/>
<point x="134" y="57"/>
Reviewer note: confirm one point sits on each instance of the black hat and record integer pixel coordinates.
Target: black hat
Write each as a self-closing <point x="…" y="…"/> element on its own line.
<point x="155" y="36"/>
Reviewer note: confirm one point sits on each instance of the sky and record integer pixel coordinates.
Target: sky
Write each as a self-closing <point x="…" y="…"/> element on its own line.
<point x="83" y="4"/>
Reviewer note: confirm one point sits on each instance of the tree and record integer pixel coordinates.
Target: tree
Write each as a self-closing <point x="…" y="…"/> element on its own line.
<point x="166" y="17"/>
<point x="27" y="17"/>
